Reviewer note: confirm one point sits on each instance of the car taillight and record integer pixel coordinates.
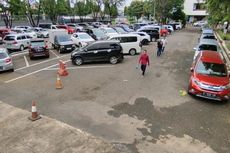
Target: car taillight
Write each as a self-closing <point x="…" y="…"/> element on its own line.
<point x="15" y="42"/>
<point x="8" y="60"/>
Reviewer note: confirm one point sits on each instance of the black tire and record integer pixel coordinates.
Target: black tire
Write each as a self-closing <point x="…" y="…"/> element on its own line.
<point x="132" y="51"/>
<point x="78" y="61"/>
<point x="113" y="60"/>
<point x="12" y="70"/>
<point x="22" y="48"/>
<point x="145" y="42"/>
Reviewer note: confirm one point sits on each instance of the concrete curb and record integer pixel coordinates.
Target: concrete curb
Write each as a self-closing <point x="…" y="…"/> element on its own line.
<point x="223" y="45"/>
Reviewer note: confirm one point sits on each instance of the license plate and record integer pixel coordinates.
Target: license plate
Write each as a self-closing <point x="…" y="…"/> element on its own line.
<point x="208" y="94"/>
<point x="68" y="48"/>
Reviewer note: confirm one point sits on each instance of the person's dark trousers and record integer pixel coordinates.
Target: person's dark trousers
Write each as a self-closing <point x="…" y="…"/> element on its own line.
<point x="159" y="51"/>
<point x="143" y="68"/>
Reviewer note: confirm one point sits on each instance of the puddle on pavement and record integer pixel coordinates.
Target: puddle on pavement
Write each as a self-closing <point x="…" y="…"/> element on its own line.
<point x="201" y="120"/>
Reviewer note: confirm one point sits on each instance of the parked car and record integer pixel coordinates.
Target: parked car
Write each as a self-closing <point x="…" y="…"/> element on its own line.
<point x="4" y="32"/>
<point x="154" y="34"/>
<point x="109" y="31"/>
<point x="69" y="29"/>
<point x="209" y="77"/>
<point x="207" y="31"/>
<point x="41" y="33"/>
<point x="145" y="38"/>
<point x="125" y="27"/>
<point x="47" y="26"/>
<point x="98" y="51"/>
<point x="6" y="62"/>
<point x="81" y="39"/>
<point x="168" y="27"/>
<point x="63" y="43"/>
<point x="38" y="48"/>
<point x="96" y="33"/>
<point x="207" y="44"/>
<point x="131" y="43"/>
<point x="120" y="30"/>
<point x="22" y="27"/>
<point x="85" y="25"/>
<point x="27" y="32"/>
<point x="16" y="41"/>
<point x="98" y="24"/>
<point x="75" y="26"/>
<point x="176" y="25"/>
<point x="137" y="26"/>
<point x="207" y="36"/>
<point x="200" y="23"/>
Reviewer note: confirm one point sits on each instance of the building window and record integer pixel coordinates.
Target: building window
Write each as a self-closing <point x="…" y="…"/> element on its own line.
<point x="199" y="6"/>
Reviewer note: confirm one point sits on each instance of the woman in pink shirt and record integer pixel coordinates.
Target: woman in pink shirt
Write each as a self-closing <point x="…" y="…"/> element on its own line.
<point x="143" y="61"/>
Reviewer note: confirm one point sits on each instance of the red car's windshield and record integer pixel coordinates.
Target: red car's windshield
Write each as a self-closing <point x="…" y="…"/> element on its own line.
<point x="211" y="69"/>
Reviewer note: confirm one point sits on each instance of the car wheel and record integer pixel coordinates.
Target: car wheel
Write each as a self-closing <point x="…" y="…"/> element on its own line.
<point x="132" y="52"/>
<point x="12" y="70"/>
<point x="113" y="60"/>
<point x="21" y="47"/>
<point x="42" y="36"/>
<point x="78" y="61"/>
<point x="145" y="42"/>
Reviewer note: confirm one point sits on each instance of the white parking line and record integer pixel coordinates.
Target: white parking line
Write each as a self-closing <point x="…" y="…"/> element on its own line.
<point x="81" y="67"/>
<point x="41" y="62"/>
<point x="23" y="76"/>
<point x="54" y="53"/>
<point x="26" y="61"/>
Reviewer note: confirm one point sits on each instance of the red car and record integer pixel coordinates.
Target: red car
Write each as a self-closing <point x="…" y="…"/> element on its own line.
<point x="209" y="77"/>
<point x="4" y="32"/>
<point x="68" y="28"/>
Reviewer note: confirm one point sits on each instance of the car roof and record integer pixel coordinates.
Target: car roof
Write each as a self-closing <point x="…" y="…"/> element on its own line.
<point x="106" y="41"/>
<point x="124" y="35"/>
<point x="208" y="41"/>
<point x="211" y="57"/>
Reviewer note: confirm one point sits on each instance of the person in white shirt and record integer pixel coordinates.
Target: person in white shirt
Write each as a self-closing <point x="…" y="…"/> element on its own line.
<point x="164" y="43"/>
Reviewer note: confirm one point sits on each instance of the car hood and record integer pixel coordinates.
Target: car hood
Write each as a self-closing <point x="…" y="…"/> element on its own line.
<point x="212" y="80"/>
<point x="87" y="40"/>
<point x="66" y="43"/>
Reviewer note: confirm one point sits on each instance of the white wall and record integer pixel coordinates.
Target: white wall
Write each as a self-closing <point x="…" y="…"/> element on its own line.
<point x="188" y="8"/>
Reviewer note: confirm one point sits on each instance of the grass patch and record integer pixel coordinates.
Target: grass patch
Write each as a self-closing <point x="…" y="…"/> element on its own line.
<point x="228" y="45"/>
<point x="224" y="36"/>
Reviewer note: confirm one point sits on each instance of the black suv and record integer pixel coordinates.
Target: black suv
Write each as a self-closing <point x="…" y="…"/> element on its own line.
<point x="63" y="43"/>
<point x="98" y="51"/>
<point x="38" y="48"/>
<point x="154" y="33"/>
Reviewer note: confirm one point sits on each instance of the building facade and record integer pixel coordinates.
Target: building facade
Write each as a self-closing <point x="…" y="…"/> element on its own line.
<point x="195" y="10"/>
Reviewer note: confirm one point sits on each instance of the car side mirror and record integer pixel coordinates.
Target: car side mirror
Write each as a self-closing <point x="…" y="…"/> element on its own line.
<point x="195" y="48"/>
<point x="192" y="69"/>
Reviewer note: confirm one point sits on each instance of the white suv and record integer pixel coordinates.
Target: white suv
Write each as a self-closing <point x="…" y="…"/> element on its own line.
<point x="16" y="41"/>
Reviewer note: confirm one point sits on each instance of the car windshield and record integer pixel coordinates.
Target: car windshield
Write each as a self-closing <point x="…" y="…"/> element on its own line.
<point x="120" y="30"/>
<point x="209" y="37"/>
<point x="63" y="38"/>
<point x="207" y="47"/>
<point x="84" y="36"/>
<point x="98" y="32"/>
<point x="9" y="38"/>
<point x="3" y="55"/>
<point x="43" y="30"/>
<point x="37" y="43"/>
<point x="211" y="69"/>
<point x="110" y="30"/>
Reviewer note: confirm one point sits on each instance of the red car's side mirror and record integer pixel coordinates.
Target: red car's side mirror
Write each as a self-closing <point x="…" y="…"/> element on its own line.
<point x="192" y="69"/>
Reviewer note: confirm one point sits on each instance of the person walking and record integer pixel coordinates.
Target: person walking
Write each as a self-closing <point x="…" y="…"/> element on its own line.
<point x="159" y="48"/>
<point x="144" y="61"/>
<point x="164" y="43"/>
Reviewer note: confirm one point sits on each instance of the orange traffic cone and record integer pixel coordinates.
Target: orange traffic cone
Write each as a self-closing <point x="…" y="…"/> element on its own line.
<point x="62" y="69"/>
<point x="35" y="115"/>
<point x="58" y="83"/>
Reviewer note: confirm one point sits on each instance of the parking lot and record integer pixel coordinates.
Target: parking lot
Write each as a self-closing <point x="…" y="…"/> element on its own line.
<point x="114" y="102"/>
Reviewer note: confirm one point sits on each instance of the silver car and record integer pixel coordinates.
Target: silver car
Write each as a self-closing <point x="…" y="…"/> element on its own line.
<point x="41" y="33"/>
<point x="16" y="41"/>
<point x="6" y="62"/>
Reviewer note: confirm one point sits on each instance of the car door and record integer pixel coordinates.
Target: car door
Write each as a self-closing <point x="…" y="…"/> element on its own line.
<point x="90" y="53"/>
<point x="26" y="40"/>
<point x="103" y="51"/>
<point x="75" y="39"/>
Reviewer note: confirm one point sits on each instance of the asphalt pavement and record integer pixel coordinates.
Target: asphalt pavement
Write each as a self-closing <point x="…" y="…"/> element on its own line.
<point x="114" y="102"/>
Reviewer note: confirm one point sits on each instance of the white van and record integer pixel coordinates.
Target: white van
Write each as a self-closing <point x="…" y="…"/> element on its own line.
<point x="131" y="43"/>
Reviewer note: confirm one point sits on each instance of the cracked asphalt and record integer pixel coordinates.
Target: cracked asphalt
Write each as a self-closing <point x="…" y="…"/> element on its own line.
<point x="136" y="114"/>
